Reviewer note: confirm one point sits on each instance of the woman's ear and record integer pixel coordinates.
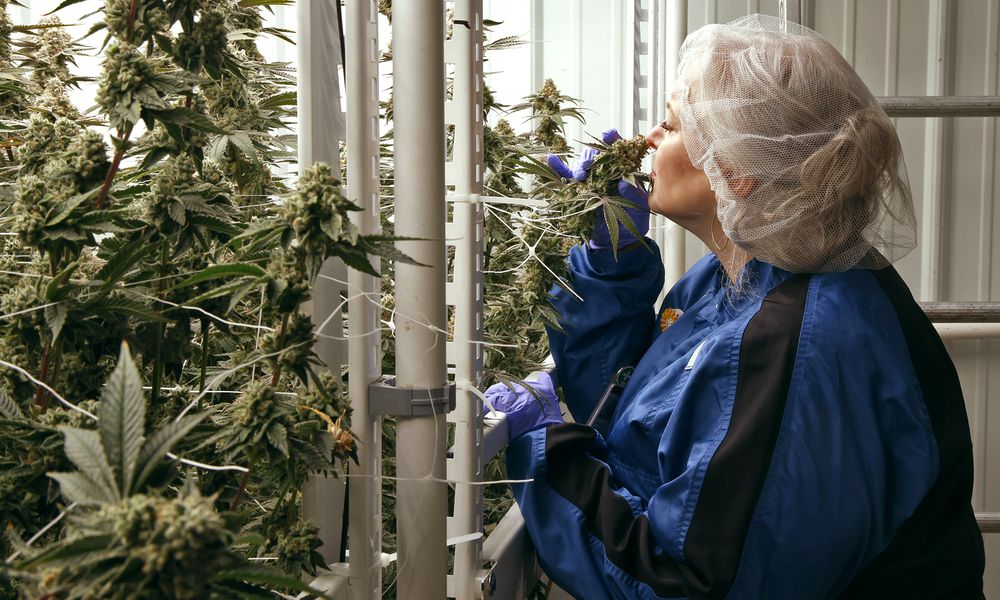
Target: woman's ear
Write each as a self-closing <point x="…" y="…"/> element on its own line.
<point x="743" y="186"/>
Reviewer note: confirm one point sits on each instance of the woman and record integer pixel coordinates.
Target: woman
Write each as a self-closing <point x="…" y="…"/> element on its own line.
<point x="798" y="431"/>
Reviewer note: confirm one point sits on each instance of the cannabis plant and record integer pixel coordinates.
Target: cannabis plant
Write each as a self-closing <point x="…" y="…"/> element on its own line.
<point x="127" y="538"/>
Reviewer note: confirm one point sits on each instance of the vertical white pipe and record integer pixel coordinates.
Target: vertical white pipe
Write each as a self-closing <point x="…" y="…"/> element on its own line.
<point x="676" y="30"/>
<point x="418" y="82"/>
<point x="465" y="112"/>
<point x="363" y="356"/>
<point x="321" y="127"/>
<point x="934" y="168"/>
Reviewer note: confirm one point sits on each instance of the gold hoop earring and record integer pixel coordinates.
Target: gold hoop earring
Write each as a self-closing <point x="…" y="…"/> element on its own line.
<point x="718" y="248"/>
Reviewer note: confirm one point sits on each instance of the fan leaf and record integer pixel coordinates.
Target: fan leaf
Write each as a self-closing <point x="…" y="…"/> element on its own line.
<point x="123" y="419"/>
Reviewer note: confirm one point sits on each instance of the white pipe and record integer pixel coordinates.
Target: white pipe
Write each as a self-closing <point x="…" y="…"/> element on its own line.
<point x="676" y="31"/>
<point x="932" y="243"/>
<point x="465" y="112"/>
<point x="321" y="127"/>
<point x="967" y="331"/>
<point x="363" y="355"/>
<point x="418" y="82"/>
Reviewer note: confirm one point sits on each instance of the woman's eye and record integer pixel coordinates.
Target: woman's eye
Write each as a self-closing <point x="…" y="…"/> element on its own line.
<point x="666" y="126"/>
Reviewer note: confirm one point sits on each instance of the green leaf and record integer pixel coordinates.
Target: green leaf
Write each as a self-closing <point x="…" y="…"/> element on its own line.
<point x="63" y="5"/>
<point x="126" y="306"/>
<point x="354" y="258"/>
<point x="233" y="287"/>
<point x="241" y="141"/>
<point x="63" y="551"/>
<point x="67" y="207"/>
<point x="235" y="269"/>
<point x="77" y="487"/>
<point x="55" y="317"/>
<point x="181" y="115"/>
<point x="9" y="408"/>
<point x="262" y="576"/>
<point x="158" y="444"/>
<point x="611" y="220"/>
<point x="122" y="415"/>
<point x="124" y="259"/>
<point x="84" y="449"/>
<point x="177" y="213"/>
<point x="278" y="100"/>
<point x="278" y="436"/>
<point x="56" y="289"/>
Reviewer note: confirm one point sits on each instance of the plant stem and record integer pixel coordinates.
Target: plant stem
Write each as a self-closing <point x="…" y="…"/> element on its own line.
<point x="132" y="9"/>
<point x="274" y="383"/>
<point x="115" y="163"/>
<point x="41" y="396"/>
<point x="161" y="329"/>
<point x="10" y="153"/>
<point x="281" y="343"/>
<point x="243" y="484"/>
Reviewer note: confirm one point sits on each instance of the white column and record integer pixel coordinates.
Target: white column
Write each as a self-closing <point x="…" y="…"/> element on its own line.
<point x="418" y="82"/>
<point x="465" y="172"/>
<point x="320" y="129"/>
<point x="676" y="30"/>
<point x="363" y="355"/>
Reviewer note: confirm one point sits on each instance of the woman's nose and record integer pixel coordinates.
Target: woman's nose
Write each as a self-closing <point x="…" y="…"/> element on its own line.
<point x="654" y="136"/>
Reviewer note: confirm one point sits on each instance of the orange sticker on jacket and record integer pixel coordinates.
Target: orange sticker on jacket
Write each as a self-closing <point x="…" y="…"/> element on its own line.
<point x="669" y="317"/>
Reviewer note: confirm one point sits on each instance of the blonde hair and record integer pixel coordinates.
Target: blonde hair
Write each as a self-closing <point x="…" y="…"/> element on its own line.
<point x="786" y="111"/>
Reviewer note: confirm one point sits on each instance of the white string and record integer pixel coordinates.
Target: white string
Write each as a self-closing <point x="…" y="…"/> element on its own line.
<point x="28" y="310"/>
<point x="207" y="467"/>
<point x="41" y="532"/>
<point x="206" y="313"/>
<point x="229" y="372"/>
<point x="46" y="387"/>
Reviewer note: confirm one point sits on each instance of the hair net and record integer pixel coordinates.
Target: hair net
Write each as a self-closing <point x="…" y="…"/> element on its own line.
<point x="806" y="166"/>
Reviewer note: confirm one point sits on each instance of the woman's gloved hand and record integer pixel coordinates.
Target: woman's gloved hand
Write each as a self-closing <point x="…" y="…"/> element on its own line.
<point x="525" y="411"/>
<point x="601" y="238"/>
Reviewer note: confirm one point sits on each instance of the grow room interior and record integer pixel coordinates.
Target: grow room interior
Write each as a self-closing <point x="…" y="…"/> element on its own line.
<point x="253" y="292"/>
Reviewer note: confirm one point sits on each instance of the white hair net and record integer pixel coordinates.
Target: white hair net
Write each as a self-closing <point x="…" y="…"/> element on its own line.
<point x="806" y="166"/>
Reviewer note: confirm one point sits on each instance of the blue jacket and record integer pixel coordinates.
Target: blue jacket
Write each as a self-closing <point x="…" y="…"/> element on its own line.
<point x="802" y="437"/>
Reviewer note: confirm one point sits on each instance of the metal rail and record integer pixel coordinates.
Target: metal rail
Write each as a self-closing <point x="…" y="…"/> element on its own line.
<point x="941" y="106"/>
<point x="962" y="312"/>
<point x="988" y="522"/>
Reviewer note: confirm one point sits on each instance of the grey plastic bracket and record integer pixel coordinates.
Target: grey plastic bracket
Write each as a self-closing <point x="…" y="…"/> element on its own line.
<point x="384" y="398"/>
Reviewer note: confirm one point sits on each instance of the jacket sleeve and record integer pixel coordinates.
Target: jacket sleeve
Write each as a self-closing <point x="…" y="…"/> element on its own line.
<point x="607" y="324"/>
<point x="787" y="460"/>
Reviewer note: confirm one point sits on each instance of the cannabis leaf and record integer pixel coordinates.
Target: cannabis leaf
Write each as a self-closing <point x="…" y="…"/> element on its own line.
<point x="118" y="461"/>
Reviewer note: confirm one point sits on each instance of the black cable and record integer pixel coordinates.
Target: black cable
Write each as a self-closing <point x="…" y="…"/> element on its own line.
<point x="340" y="30"/>
<point x="345" y="519"/>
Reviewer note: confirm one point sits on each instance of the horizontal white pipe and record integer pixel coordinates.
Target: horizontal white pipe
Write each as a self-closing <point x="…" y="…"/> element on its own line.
<point x="941" y="106"/>
<point x="967" y="331"/>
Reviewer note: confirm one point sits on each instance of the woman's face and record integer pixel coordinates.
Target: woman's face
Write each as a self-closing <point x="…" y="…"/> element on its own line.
<point x="680" y="192"/>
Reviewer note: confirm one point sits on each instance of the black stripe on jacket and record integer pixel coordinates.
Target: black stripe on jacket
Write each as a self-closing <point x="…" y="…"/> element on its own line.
<point x="735" y="474"/>
<point x="938" y="552"/>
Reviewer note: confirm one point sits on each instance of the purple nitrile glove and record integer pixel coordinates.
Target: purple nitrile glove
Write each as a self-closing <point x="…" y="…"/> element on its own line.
<point x="525" y="412"/>
<point x="639" y="213"/>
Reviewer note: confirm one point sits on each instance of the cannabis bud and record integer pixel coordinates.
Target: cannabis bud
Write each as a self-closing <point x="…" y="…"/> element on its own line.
<point x="296" y="547"/>
<point x="204" y="45"/>
<point x="127" y="77"/>
<point x="318" y="211"/>
<point x="288" y="284"/>
<point x="147" y="21"/>
<point x="87" y="158"/>
<point x="29" y="210"/>
<point x="294" y="348"/>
